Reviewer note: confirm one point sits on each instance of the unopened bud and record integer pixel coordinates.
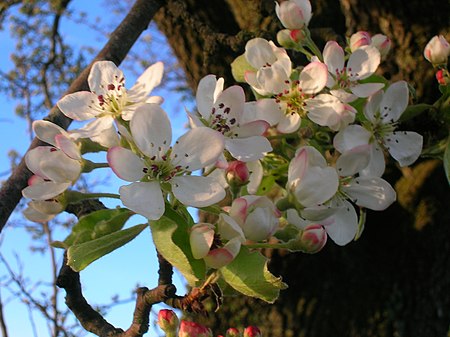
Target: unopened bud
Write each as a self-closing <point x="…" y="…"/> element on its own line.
<point x="233" y="332"/>
<point x="284" y="39"/>
<point x="442" y="77"/>
<point x="168" y="321"/>
<point x="382" y="43"/>
<point x="237" y="173"/>
<point x="252" y="331"/>
<point x="359" y="39"/>
<point x="313" y="238"/>
<point x="192" y="329"/>
<point x="437" y="50"/>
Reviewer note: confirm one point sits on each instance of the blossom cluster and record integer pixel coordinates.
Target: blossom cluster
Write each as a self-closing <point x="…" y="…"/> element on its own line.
<point x="301" y="163"/>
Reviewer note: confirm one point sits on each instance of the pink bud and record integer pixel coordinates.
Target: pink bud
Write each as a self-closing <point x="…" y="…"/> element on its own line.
<point x="437" y="50"/>
<point x="313" y="238"/>
<point x="359" y="39"/>
<point x="192" y="329"/>
<point x="252" y="331"/>
<point x="168" y="321"/>
<point x="382" y="43"/>
<point x="237" y="173"/>
<point x="233" y="332"/>
<point x="298" y="35"/>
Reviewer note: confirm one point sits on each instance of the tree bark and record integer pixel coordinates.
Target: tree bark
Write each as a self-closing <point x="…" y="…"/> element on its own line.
<point x="395" y="280"/>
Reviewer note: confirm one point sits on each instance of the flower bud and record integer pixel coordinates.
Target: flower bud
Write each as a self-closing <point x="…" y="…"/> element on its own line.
<point x="233" y="332"/>
<point x="359" y="39"/>
<point x="294" y="14"/>
<point x="237" y="173"/>
<point x="442" y="77"/>
<point x="313" y="238"/>
<point x="382" y="43"/>
<point x="168" y="321"/>
<point x="252" y="331"/>
<point x="284" y="38"/>
<point x="192" y="329"/>
<point x="437" y="50"/>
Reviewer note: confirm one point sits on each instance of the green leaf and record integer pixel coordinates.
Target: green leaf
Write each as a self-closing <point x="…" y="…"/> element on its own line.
<point x="171" y="238"/>
<point x="413" y="111"/>
<point x="266" y="185"/>
<point x="446" y="160"/>
<point x="249" y="275"/>
<point x="239" y="66"/>
<point x="98" y="224"/>
<point x="81" y="255"/>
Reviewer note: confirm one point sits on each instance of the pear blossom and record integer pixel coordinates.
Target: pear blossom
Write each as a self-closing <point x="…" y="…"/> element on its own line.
<point x="193" y="329"/>
<point x="359" y="39"/>
<point x="344" y="78"/>
<point x="294" y="14"/>
<point x="382" y="43"/>
<point x="109" y="100"/>
<point x="271" y="66"/>
<point x="207" y="244"/>
<point x="382" y="112"/>
<point x="54" y="172"/>
<point x="437" y="50"/>
<point x="223" y="111"/>
<point x="310" y="180"/>
<point x="256" y="215"/>
<point x="158" y="167"/>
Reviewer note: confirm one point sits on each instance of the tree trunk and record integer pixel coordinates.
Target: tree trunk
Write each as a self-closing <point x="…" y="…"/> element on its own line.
<point x="395" y="280"/>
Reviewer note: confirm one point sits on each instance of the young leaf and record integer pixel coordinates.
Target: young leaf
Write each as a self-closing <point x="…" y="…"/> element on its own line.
<point x="248" y="274"/>
<point x="171" y="238"/>
<point x="97" y="224"/>
<point x="81" y="255"/>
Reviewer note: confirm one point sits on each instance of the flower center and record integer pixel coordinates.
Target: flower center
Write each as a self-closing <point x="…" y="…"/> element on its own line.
<point x="162" y="170"/>
<point x="220" y="119"/>
<point x="114" y="101"/>
<point x="293" y="98"/>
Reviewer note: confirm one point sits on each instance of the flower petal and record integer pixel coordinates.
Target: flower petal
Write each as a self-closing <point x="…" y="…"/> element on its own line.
<point x="289" y="123"/>
<point x="220" y="257"/>
<point x="333" y="56"/>
<point x="394" y="102"/>
<point x="317" y="186"/>
<point x="366" y="89"/>
<point x="259" y="53"/>
<point x="371" y="192"/>
<point x="353" y="161"/>
<point x="266" y="109"/>
<point x="255" y="128"/>
<point x="103" y="73"/>
<point x="363" y="62"/>
<point x="197" y="191"/>
<point x="230" y="103"/>
<point x="404" y="146"/>
<point x="248" y="149"/>
<point x="94" y="128"/>
<point x="125" y="164"/>
<point x="201" y="239"/>
<point x="45" y="190"/>
<point x="344" y="226"/>
<point x="68" y="146"/>
<point x="145" y="83"/>
<point x="256" y="174"/>
<point x="151" y="130"/>
<point x="350" y="137"/>
<point x="46" y="131"/>
<point x="228" y="228"/>
<point x="79" y="106"/>
<point x="145" y="198"/>
<point x="313" y="78"/>
<point x="207" y="91"/>
<point x="197" y="148"/>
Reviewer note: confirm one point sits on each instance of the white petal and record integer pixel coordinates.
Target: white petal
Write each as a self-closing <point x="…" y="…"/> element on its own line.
<point x="248" y="149"/>
<point x="259" y="52"/>
<point x="317" y="186"/>
<point x="273" y="79"/>
<point x="394" y="102"/>
<point x="103" y="73"/>
<point x="125" y="164"/>
<point x="313" y="78"/>
<point x="68" y="146"/>
<point x="289" y="123"/>
<point x="266" y="109"/>
<point x="201" y="239"/>
<point x="145" y="198"/>
<point x="220" y="257"/>
<point x="230" y="103"/>
<point x="94" y="128"/>
<point x="372" y="106"/>
<point x="294" y="218"/>
<point x="208" y="89"/>
<point x="44" y="190"/>
<point x="344" y="226"/>
<point x="79" y="106"/>
<point x="297" y="167"/>
<point x="151" y="130"/>
<point x="363" y="62"/>
<point x="353" y="161"/>
<point x="46" y="131"/>
<point x="58" y="167"/>
<point x="377" y="164"/>
<point x="34" y="215"/>
<point x="333" y="56"/>
<point x="256" y="174"/>
<point x="149" y="79"/>
<point x="324" y="109"/>
<point x="46" y="206"/>
<point x="371" y="192"/>
<point x="350" y="137"/>
<point x="229" y="228"/>
<point x="109" y="137"/>
<point x="366" y="89"/>
<point x="255" y="128"/>
<point x="197" y="148"/>
<point x="404" y="146"/>
<point x="34" y="157"/>
<point x="197" y="191"/>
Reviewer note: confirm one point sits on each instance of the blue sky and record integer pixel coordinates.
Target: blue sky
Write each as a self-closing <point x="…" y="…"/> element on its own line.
<point x="131" y="265"/>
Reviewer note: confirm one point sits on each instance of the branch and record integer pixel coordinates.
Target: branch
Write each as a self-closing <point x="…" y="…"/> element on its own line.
<point x="121" y="41"/>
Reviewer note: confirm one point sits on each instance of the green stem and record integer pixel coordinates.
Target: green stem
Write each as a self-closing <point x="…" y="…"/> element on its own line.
<point x="89" y="166"/>
<point x="266" y="245"/>
<point x="74" y="196"/>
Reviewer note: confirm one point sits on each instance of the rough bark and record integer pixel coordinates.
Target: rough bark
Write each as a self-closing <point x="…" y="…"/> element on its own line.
<point x="395" y="280"/>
